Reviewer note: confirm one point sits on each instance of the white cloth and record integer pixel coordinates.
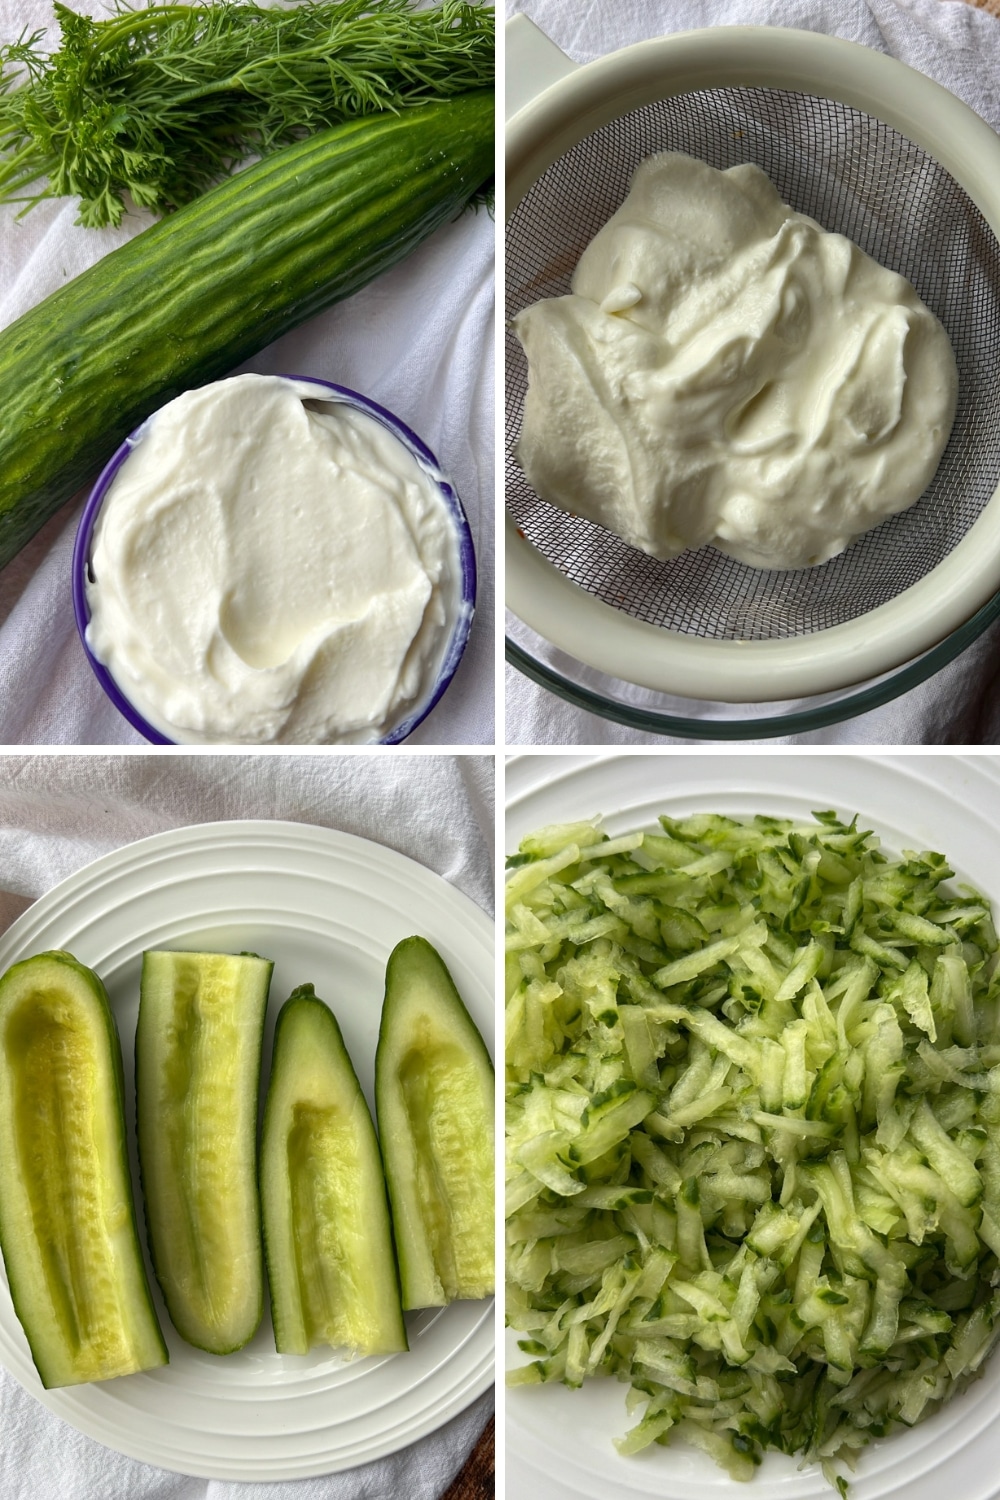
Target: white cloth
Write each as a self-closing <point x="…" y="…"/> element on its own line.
<point x="58" y="813"/>
<point x="959" y="47"/>
<point x="419" y="340"/>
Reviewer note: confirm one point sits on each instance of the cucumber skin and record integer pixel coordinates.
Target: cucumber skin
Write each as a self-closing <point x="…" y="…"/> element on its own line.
<point x="414" y="957"/>
<point x="144" y="1140"/>
<point x="304" y="1001"/>
<point x="18" y="1298"/>
<point x="196" y="294"/>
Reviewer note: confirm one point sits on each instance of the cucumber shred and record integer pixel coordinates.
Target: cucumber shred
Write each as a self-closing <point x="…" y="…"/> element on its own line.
<point x="327" y="1237"/>
<point x="67" y="1220"/>
<point x="197" y="1073"/>
<point x="434" y="1091"/>
<point x="753" y="1138"/>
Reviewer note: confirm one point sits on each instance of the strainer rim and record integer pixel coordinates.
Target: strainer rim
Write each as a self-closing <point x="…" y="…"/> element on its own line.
<point x="919" y="617"/>
<point x="770" y="725"/>
<point x="777" y="57"/>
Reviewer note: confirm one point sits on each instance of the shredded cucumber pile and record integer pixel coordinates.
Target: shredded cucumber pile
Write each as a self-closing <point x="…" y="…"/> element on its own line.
<point x="753" y="1130"/>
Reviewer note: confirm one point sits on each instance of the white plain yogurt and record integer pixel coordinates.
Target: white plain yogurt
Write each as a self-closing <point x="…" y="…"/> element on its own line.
<point x="727" y="372"/>
<point x="263" y="572"/>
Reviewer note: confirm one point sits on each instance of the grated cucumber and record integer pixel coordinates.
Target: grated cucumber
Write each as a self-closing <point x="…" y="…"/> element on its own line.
<point x="753" y="1131"/>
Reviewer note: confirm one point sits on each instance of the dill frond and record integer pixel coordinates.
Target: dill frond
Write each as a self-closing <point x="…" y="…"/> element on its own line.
<point x="159" y="102"/>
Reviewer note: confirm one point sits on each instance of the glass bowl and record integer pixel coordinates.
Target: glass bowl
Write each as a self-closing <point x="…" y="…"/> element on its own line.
<point x="690" y="718"/>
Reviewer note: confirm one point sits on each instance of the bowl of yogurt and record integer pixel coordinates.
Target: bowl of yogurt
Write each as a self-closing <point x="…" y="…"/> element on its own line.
<point x="274" y="560"/>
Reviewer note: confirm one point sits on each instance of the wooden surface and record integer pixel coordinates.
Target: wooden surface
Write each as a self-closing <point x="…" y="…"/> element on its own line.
<point x="993" y="6"/>
<point x="476" y="1481"/>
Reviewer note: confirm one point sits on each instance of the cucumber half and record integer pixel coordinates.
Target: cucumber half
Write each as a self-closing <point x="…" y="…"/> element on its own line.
<point x="67" y="1220"/>
<point x="197" y="1074"/>
<point x="434" y="1096"/>
<point x="330" y="1263"/>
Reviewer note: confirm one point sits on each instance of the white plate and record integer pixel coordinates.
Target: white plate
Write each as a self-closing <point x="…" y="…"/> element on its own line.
<point x="559" y="1441"/>
<point x="328" y="908"/>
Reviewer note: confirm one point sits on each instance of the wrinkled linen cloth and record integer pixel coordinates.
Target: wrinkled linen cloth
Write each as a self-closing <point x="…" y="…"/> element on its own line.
<point x="60" y="812"/>
<point x="418" y="340"/>
<point x="959" y="47"/>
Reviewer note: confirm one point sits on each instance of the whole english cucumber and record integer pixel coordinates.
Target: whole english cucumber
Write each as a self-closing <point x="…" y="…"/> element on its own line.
<point x="193" y="296"/>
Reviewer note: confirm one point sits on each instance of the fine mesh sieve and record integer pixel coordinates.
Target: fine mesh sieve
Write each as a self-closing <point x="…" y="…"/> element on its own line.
<point x="858" y="176"/>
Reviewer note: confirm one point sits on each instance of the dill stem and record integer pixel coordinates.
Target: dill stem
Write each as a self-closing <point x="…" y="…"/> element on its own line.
<point x="9" y="169"/>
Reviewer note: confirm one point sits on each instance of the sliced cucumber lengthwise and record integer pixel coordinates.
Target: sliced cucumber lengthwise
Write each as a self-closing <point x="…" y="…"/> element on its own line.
<point x="434" y="1094"/>
<point x="197" y="1069"/>
<point x="67" y="1221"/>
<point x="330" y="1263"/>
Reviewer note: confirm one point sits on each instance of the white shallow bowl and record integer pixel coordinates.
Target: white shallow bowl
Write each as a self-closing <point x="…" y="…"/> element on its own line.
<point x="557" y="105"/>
<point x="559" y="1442"/>
<point x="328" y="908"/>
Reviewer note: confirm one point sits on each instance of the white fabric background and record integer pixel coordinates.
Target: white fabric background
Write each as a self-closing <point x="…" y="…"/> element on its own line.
<point x="960" y="48"/>
<point x="419" y="340"/>
<point x="59" y="812"/>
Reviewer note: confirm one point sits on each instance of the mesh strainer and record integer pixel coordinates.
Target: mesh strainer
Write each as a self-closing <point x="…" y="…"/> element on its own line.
<point x="869" y="149"/>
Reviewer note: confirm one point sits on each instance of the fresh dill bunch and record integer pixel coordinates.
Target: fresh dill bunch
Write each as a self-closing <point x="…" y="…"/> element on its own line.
<point x="160" y="102"/>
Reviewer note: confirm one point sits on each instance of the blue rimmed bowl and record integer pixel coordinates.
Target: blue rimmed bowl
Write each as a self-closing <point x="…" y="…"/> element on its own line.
<point x="454" y="640"/>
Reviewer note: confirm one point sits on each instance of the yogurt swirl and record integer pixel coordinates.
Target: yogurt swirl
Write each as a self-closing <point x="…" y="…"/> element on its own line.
<point x="725" y="371"/>
<point x="266" y="571"/>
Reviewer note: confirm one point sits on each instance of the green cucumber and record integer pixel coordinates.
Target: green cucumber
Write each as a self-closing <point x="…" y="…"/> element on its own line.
<point x="197" y="1076"/>
<point x="330" y="1263"/>
<point x="195" y="295"/>
<point x="67" y="1221"/>
<point x="434" y="1097"/>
